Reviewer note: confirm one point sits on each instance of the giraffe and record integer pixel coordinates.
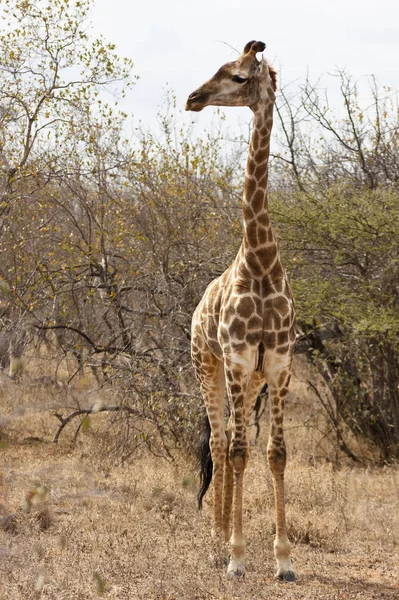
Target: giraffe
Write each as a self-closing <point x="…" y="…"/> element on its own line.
<point x="243" y="330"/>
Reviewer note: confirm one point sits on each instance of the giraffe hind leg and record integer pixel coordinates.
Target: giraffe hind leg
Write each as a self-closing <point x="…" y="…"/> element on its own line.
<point x="210" y="373"/>
<point x="228" y="483"/>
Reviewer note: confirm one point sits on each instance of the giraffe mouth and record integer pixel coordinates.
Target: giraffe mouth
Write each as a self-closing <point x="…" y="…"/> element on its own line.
<point x="193" y="108"/>
<point x="196" y="102"/>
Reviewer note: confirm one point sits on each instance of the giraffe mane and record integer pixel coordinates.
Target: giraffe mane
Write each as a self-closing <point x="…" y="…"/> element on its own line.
<point x="273" y="76"/>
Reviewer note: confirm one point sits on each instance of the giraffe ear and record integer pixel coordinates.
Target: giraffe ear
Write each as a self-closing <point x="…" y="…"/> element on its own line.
<point x="253" y="47"/>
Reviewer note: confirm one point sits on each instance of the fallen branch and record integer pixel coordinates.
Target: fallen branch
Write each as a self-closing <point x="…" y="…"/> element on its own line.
<point x="89" y="411"/>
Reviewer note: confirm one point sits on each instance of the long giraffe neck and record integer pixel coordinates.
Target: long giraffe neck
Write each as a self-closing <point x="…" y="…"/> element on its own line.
<point x="258" y="233"/>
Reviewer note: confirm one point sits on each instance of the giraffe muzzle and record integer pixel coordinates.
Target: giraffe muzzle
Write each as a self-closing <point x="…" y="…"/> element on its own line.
<point x="195" y="101"/>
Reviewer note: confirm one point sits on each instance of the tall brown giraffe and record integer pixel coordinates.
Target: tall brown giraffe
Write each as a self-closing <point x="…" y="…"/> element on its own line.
<point x="243" y="329"/>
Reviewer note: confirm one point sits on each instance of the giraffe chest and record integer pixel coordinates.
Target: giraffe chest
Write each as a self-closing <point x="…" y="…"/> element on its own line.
<point x="252" y="311"/>
<point x="236" y="315"/>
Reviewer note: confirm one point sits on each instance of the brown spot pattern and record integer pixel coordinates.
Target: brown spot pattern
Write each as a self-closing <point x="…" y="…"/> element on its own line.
<point x="237" y="329"/>
<point x="245" y="307"/>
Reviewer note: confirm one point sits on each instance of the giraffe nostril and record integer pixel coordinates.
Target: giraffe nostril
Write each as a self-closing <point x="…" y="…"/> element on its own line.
<point x="193" y="95"/>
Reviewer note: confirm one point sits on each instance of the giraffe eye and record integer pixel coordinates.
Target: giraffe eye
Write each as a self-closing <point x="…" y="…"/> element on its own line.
<point x="238" y="79"/>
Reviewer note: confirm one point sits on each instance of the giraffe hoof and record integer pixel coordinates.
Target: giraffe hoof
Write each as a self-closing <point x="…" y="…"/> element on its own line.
<point x="288" y="576"/>
<point x="236" y="570"/>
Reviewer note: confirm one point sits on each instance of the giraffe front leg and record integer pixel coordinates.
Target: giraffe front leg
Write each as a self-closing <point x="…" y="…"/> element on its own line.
<point x="252" y="390"/>
<point x="238" y="458"/>
<point x="276" y="453"/>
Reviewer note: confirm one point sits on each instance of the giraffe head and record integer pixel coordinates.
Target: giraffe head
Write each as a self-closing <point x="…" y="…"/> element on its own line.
<point x="240" y="83"/>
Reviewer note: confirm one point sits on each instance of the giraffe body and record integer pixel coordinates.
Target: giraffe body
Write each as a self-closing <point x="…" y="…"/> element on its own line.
<point x="243" y="330"/>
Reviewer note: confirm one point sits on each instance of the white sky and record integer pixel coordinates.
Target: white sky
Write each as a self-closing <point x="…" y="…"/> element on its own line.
<point x="179" y="42"/>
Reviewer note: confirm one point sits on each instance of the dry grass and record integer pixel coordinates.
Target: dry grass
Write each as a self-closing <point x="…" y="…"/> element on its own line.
<point x="74" y="526"/>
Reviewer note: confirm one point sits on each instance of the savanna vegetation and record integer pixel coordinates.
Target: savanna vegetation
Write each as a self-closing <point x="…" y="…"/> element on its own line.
<point x="107" y="242"/>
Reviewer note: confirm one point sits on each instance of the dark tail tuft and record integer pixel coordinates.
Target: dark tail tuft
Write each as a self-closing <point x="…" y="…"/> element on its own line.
<point x="205" y="460"/>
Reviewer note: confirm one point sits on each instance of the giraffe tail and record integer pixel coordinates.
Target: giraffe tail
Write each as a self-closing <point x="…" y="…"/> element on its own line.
<point x="205" y="460"/>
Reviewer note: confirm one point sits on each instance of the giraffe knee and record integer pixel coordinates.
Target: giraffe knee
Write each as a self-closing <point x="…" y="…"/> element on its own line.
<point x="238" y="456"/>
<point x="277" y="457"/>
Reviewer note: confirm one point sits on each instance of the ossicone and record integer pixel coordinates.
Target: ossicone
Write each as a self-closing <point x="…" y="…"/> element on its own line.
<point x="253" y="47"/>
